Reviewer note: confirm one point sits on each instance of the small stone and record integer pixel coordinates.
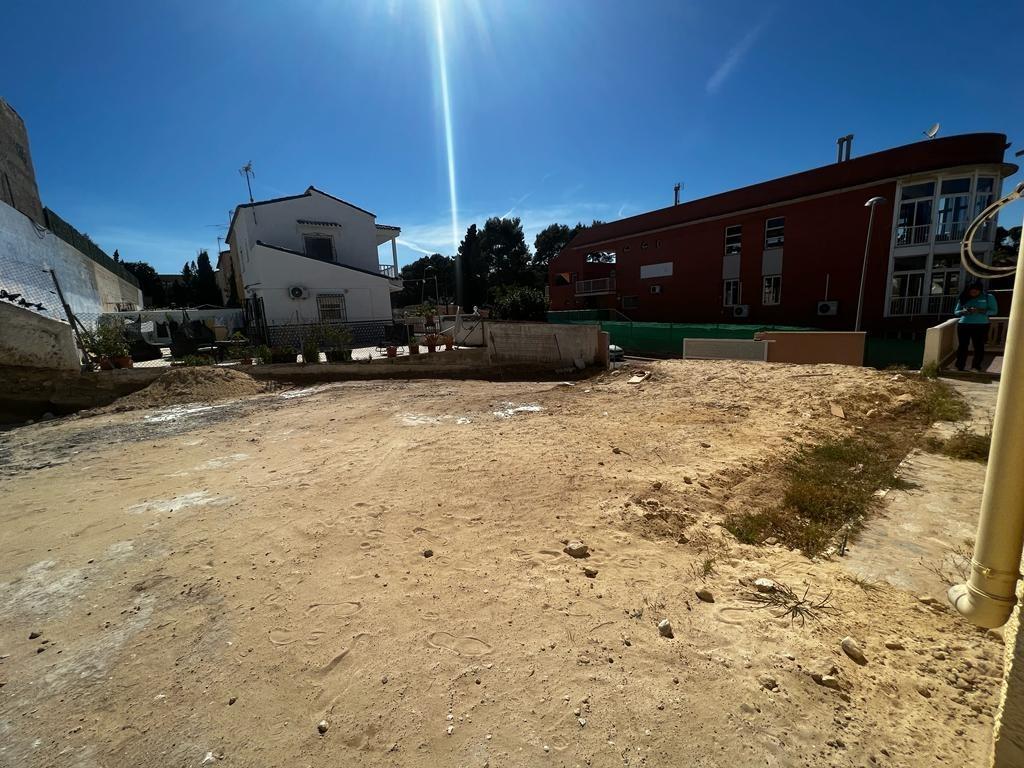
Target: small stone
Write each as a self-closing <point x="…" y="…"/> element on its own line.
<point x="547" y="748"/>
<point x="764" y="585"/>
<point x="428" y="553"/>
<point x="828" y="681"/>
<point x="688" y="480"/>
<point x="34" y="635"/>
<point x="384" y="680"/>
<point x="852" y="649"/>
<point x="450" y="730"/>
<point x="40" y="649"/>
<point x="704" y="595"/>
<point x="665" y="628"/>
<point x="924" y="690"/>
<point x="582" y="721"/>
<point x="894" y="645"/>
<point x="590" y="572"/>
<point x="322" y="726"/>
<point x="232" y="700"/>
<point x="577" y="548"/>
<point x="768" y="682"/>
<point x="656" y="485"/>
<point x="675" y="680"/>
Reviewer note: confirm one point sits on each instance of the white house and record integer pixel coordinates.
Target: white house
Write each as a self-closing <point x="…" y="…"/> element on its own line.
<point x="312" y="258"/>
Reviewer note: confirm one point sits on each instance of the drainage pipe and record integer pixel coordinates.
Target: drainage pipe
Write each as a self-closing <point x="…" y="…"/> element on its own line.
<point x="990" y="594"/>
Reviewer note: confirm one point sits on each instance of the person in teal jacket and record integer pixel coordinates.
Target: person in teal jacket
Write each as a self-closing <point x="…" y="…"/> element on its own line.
<point x="974" y="307"/>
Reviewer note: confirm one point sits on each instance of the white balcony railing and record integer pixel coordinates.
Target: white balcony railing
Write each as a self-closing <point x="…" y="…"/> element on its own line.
<point x="388" y="270"/>
<point x="905" y="305"/>
<point x="594" y="287"/>
<point x="942" y="305"/>
<point x="950" y="231"/>
<point x="916" y="235"/>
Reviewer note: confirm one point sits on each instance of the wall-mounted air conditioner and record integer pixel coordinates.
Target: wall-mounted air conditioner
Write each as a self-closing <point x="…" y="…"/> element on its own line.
<point x="297" y="292"/>
<point x="828" y="308"/>
<point x="741" y="310"/>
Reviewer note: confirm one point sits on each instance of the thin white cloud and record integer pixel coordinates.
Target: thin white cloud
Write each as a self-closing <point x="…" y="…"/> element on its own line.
<point x="733" y="59"/>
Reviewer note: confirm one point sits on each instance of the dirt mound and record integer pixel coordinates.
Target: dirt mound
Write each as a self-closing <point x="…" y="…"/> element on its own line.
<point x="193" y="385"/>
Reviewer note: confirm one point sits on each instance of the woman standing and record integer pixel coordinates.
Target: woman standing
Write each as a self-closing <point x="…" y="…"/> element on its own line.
<point x="974" y="307"/>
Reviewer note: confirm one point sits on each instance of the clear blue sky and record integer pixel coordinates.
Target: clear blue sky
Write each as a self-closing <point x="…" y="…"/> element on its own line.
<point x="140" y="114"/>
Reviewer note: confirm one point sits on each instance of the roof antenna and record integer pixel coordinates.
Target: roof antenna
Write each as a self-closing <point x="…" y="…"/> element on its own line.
<point x="676" y="189"/>
<point x="247" y="171"/>
<point x="932" y="132"/>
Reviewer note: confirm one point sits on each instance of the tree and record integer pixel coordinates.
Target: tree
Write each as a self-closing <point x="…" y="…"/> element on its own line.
<point x="149" y="282"/>
<point x="504" y="246"/>
<point x="116" y="257"/>
<point x="521" y="303"/>
<point x="475" y="269"/>
<point x="418" y="280"/>
<point x="204" y="282"/>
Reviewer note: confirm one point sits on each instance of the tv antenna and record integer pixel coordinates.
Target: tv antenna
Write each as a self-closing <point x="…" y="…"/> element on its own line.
<point x="932" y="132"/>
<point x="247" y="171"/>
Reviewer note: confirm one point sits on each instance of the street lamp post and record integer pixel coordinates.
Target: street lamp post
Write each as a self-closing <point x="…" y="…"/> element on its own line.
<point x="874" y="201"/>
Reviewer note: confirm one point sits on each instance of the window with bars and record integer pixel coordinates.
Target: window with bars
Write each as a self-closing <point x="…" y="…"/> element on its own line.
<point x="331" y="307"/>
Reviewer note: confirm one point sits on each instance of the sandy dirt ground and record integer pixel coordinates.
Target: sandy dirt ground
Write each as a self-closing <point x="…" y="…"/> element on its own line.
<point x="209" y="582"/>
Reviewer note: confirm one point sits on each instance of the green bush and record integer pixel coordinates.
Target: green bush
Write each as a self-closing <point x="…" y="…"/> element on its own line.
<point x="106" y="340"/>
<point x="520" y="303"/>
<point x="311" y="351"/>
<point x="263" y="353"/>
<point x="195" y="361"/>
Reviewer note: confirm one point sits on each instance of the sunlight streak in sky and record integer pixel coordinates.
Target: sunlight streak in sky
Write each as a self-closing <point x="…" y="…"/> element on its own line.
<point x="448" y="138"/>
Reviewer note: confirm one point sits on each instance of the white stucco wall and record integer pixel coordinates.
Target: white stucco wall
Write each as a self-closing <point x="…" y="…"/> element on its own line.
<point x="26" y="250"/>
<point x="355" y="241"/>
<point x="367" y="297"/>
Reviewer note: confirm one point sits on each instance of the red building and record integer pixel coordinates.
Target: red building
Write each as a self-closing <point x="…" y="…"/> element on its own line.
<point x="790" y="251"/>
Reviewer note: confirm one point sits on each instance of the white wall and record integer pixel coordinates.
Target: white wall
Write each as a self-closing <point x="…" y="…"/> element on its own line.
<point x="26" y="250"/>
<point x="355" y="241"/>
<point x="554" y="343"/>
<point x="29" y="339"/>
<point x="367" y="297"/>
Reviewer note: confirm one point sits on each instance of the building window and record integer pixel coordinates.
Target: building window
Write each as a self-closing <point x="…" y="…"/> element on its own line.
<point x="913" y="223"/>
<point x="731" y="295"/>
<point x="331" y="307"/>
<point x="907" y="289"/>
<point x="774" y="232"/>
<point x="984" y="193"/>
<point x="954" y="203"/>
<point x="733" y="236"/>
<point x="771" y="291"/>
<point x="319" y="247"/>
<point x="630" y="302"/>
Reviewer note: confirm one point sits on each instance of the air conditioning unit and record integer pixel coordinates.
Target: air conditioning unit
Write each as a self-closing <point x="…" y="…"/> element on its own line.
<point x="829" y="308"/>
<point x="741" y="310"/>
<point x="655" y="289"/>
<point x="297" y="292"/>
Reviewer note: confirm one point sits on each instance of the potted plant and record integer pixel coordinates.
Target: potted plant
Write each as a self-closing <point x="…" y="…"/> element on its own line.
<point x="263" y="353"/>
<point x="108" y="345"/>
<point x="310" y="351"/>
<point x="414" y="345"/>
<point x="392" y="350"/>
<point x="282" y="354"/>
<point x="336" y="343"/>
<point x="449" y="341"/>
<point x="431" y="341"/>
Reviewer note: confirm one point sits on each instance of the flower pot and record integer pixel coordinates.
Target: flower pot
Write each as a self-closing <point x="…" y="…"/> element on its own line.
<point x="414" y="349"/>
<point x="392" y="351"/>
<point x="105" y="363"/>
<point x="122" y="361"/>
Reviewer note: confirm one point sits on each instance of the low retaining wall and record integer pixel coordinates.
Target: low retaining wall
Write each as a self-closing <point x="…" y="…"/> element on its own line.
<point x="29" y="339"/>
<point x="843" y="348"/>
<point x="27" y="393"/>
<point x="546" y="344"/>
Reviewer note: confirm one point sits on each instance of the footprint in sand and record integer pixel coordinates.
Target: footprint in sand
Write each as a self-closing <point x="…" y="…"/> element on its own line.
<point x="337" y="610"/>
<point x="464" y="646"/>
<point x="289" y="636"/>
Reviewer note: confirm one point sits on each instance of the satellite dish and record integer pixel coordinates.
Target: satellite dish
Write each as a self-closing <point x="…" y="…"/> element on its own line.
<point x="932" y="132"/>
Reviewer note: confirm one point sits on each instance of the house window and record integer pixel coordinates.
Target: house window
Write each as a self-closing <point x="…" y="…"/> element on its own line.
<point x="907" y="289"/>
<point x="733" y="236"/>
<point x="731" y="295"/>
<point x="319" y="247"/>
<point x="331" y="307"/>
<point x="774" y="232"/>
<point x="771" y="291"/>
<point x="913" y="224"/>
<point x="945" y="283"/>
<point x="954" y="203"/>
<point x="983" y="195"/>
<point x="630" y="302"/>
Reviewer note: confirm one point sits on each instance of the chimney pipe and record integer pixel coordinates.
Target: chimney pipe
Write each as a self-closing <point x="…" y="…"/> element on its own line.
<point x="844" y="145"/>
<point x="676" y="189"/>
<point x="839" y="148"/>
<point x="849" y="145"/>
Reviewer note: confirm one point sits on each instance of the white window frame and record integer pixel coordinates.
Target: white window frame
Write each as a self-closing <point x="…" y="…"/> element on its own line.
<point x="764" y="290"/>
<point x="734" y="232"/>
<point x="725" y="292"/>
<point x="781" y="237"/>
<point x="342" y="310"/>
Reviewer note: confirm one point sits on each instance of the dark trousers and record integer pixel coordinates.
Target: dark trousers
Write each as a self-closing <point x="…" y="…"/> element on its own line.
<point x="971" y="333"/>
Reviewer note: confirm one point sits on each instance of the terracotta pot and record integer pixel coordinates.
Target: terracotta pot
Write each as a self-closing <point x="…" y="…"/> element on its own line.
<point x="414" y="349"/>
<point x="123" y="361"/>
<point x="104" y="363"/>
<point x="392" y="351"/>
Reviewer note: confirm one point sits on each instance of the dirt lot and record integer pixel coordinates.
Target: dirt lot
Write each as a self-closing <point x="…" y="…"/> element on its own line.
<point x="210" y="582"/>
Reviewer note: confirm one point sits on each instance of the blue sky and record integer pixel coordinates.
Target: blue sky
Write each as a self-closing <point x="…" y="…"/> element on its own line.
<point x="141" y="114"/>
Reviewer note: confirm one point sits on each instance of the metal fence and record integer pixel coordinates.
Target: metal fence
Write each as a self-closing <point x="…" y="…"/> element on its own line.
<point x="364" y="334"/>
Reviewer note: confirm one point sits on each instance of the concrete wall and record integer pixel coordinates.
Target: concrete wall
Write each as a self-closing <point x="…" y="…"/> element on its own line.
<point x="1008" y="751"/>
<point x="17" y="176"/>
<point x="27" y="250"/>
<point x="814" y="347"/>
<point x="30" y="339"/>
<point x="355" y="241"/>
<point x="367" y="297"/>
<point x="544" y="343"/>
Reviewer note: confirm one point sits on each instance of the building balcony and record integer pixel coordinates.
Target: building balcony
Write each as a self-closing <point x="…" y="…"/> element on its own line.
<point x="905" y="306"/>
<point x="596" y="287"/>
<point x="388" y="270"/>
<point x="950" y="231"/>
<point x="916" y="235"/>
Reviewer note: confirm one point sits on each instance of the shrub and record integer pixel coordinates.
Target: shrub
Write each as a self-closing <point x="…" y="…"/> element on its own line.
<point x="106" y="340"/>
<point x="521" y="303"/>
<point x="263" y="353"/>
<point x="311" y="351"/>
<point x="965" y="444"/>
<point x="195" y="361"/>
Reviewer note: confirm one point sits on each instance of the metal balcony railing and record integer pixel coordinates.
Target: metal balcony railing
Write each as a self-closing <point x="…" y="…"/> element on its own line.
<point x="388" y="270"/>
<point x="950" y="231"/>
<point x="916" y="235"/>
<point x="595" y="287"/>
<point x="942" y="305"/>
<point x="905" y="305"/>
